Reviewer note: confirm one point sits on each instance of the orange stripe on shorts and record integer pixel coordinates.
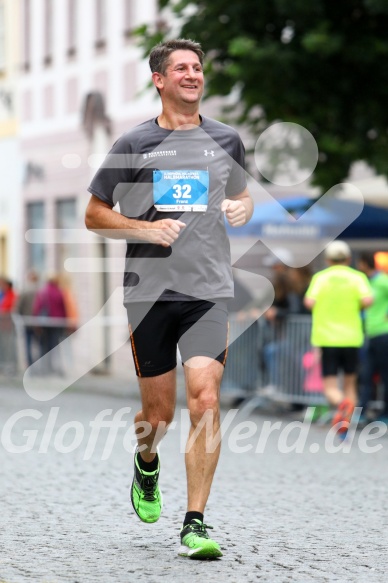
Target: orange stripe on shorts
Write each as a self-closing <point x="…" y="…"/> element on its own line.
<point x="227" y="346"/>
<point x="134" y="351"/>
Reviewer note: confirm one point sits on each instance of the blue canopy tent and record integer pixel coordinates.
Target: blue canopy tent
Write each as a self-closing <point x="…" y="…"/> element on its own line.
<point x="270" y="220"/>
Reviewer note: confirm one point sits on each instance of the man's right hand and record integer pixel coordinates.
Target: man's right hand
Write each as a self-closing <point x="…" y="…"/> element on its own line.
<point x="104" y="221"/>
<point x="164" y="232"/>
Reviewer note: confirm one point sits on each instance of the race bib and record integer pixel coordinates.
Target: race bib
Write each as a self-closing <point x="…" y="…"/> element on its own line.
<point x="181" y="190"/>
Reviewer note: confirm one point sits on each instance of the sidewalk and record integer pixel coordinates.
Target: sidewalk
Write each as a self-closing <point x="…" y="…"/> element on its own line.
<point x="67" y="517"/>
<point x="101" y="384"/>
<point x="109" y="385"/>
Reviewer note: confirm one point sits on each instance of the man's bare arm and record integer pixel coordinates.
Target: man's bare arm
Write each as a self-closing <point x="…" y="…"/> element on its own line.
<point x="238" y="209"/>
<point x="103" y="220"/>
<point x="309" y="303"/>
<point x="367" y="301"/>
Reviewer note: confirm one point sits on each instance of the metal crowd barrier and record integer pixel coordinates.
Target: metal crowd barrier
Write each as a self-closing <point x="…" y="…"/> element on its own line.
<point x="8" y="345"/>
<point x="273" y="361"/>
<point x="264" y="362"/>
<point x="74" y="353"/>
<point x="37" y="327"/>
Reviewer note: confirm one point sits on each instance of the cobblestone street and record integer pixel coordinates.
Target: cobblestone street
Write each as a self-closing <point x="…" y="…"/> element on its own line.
<point x="279" y="517"/>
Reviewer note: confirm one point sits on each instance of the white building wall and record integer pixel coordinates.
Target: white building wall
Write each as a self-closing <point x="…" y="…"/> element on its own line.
<point x="51" y="129"/>
<point x="10" y="163"/>
<point x="86" y="66"/>
<point x="10" y="206"/>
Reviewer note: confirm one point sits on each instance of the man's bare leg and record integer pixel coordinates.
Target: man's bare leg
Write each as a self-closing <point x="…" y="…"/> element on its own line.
<point x="334" y="394"/>
<point x="203" y="379"/>
<point x="344" y="401"/>
<point x="350" y="388"/>
<point x="332" y="391"/>
<point x="158" y="398"/>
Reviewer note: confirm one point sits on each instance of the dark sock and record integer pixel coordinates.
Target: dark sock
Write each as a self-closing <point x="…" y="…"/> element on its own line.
<point x="191" y="516"/>
<point x="148" y="466"/>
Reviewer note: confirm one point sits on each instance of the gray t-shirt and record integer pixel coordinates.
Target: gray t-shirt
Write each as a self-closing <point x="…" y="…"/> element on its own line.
<point x="176" y="170"/>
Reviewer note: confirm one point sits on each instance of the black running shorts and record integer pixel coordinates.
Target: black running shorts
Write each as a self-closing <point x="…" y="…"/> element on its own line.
<point x="198" y="328"/>
<point x="336" y="359"/>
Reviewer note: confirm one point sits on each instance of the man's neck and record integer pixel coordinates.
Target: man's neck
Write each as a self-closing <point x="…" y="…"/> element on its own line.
<point x="172" y="120"/>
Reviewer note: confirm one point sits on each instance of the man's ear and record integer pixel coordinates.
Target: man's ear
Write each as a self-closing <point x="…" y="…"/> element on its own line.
<point x="157" y="79"/>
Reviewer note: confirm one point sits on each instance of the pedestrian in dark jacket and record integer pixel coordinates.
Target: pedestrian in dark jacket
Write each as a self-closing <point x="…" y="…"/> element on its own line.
<point x="49" y="304"/>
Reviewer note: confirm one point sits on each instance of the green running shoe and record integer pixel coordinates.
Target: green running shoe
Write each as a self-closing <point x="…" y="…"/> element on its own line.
<point x="146" y="496"/>
<point x="196" y="543"/>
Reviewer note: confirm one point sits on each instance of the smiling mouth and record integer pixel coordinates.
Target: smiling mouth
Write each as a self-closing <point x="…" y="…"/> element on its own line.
<point x="189" y="87"/>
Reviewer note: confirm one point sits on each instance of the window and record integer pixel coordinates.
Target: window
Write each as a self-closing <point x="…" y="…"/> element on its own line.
<point x="65" y="213"/>
<point x="129" y="78"/>
<point x="48" y="101"/>
<point x="36" y="251"/>
<point x="65" y="218"/>
<point x="27" y="106"/>
<point x="72" y="95"/>
<point x="48" y="32"/>
<point x="128" y="18"/>
<point x="100" y="16"/>
<point x="101" y="82"/>
<point x="71" y="27"/>
<point x="2" y="35"/>
<point x="26" y="34"/>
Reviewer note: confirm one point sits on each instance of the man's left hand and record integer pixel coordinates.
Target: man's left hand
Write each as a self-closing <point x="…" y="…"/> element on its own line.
<point x="235" y="212"/>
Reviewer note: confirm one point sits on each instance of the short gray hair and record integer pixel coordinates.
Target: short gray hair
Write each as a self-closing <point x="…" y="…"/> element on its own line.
<point x="161" y="52"/>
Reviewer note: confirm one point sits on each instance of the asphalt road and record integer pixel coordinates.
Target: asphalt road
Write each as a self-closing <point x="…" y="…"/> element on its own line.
<point x="279" y="516"/>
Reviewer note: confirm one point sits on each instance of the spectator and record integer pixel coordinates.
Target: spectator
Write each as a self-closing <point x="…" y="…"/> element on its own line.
<point x="71" y="306"/>
<point x="299" y="279"/>
<point x="336" y="297"/>
<point x="1" y="288"/>
<point x="72" y="315"/>
<point x="49" y="303"/>
<point x="376" y="327"/>
<point x="275" y="343"/>
<point x="294" y="356"/>
<point x="9" y="297"/>
<point x="242" y="365"/>
<point x="24" y="307"/>
<point x="279" y="262"/>
<point x="8" y="350"/>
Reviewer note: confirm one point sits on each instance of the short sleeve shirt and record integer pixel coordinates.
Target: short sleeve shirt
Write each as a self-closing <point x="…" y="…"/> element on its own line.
<point x="376" y="317"/>
<point x="336" y="315"/>
<point x="198" y="263"/>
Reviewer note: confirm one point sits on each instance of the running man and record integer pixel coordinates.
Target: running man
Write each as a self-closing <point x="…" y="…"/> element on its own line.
<point x="376" y="327"/>
<point x="336" y="297"/>
<point x="178" y="270"/>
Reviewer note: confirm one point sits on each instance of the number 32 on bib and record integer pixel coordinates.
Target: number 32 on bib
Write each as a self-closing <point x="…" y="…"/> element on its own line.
<point x="181" y="190"/>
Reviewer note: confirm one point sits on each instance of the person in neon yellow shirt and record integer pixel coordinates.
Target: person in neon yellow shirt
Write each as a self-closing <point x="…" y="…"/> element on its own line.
<point x="376" y="327"/>
<point x="336" y="296"/>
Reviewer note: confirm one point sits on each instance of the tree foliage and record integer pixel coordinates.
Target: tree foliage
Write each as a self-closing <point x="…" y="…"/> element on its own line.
<point x="321" y="64"/>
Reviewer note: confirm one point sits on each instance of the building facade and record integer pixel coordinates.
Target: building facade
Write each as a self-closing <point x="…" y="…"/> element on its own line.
<point x="82" y="81"/>
<point x="10" y="160"/>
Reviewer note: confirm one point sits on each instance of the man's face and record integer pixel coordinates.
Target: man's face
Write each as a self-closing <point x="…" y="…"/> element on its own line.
<point x="183" y="80"/>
